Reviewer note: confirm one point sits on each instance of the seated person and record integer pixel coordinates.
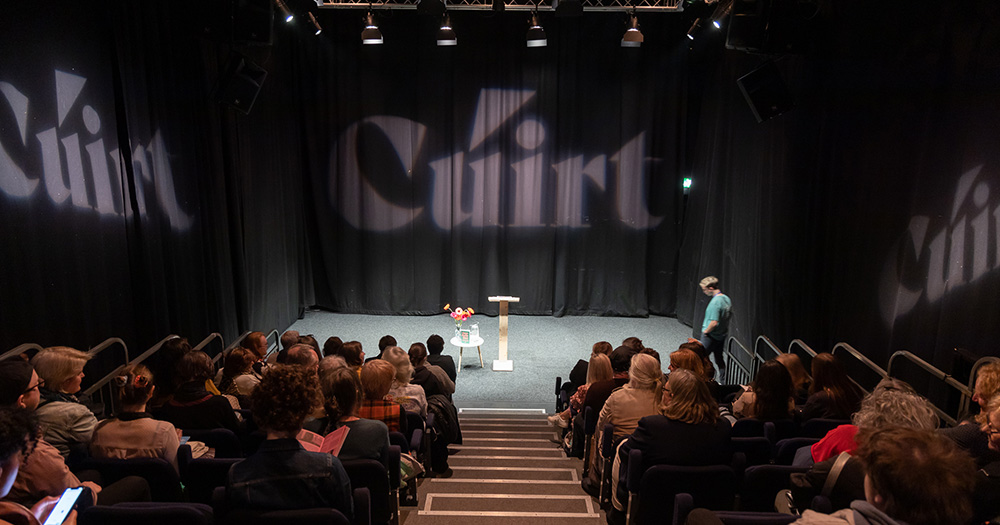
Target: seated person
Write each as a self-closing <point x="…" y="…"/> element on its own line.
<point x="411" y="396"/>
<point x="164" y="365"/>
<point x="66" y="421"/>
<point x="800" y="378"/>
<point x="44" y="472"/>
<point x="914" y="477"/>
<point x="430" y="377"/>
<point x="133" y="433"/>
<point x="639" y="398"/>
<point x="769" y="397"/>
<point x="599" y="369"/>
<point x="194" y="407"/>
<point x="376" y="378"/>
<point x="686" y="430"/>
<point x="18" y="432"/>
<point x="367" y="439"/>
<point x="435" y="347"/>
<point x="969" y="435"/>
<point x="891" y="404"/>
<point x="238" y="378"/>
<point x="832" y="395"/>
<point x="578" y="375"/>
<point x="281" y="475"/>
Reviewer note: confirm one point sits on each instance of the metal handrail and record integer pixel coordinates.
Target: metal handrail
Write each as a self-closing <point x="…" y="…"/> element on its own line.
<point x="108" y="343"/>
<point x="734" y="358"/>
<point x="937" y="374"/>
<point x="271" y="347"/>
<point x="211" y="337"/>
<point x="963" y="404"/>
<point x="860" y="357"/>
<point x="770" y="344"/>
<point x="801" y="344"/>
<point x="20" y="349"/>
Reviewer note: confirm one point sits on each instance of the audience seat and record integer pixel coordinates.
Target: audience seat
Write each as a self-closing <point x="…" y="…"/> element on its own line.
<point x="318" y="516"/>
<point x="784" y="450"/>
<point x="762" y="482"/>
<point x="684" y="504"/>
<point x="589" y="429"/>
<point x="756" y="449"/>
<point x="224" y="441"/>
<point x="164" y="481"/>
<point x="148" y="513"/>
<point x="652" y="490"/>
<point x="382" y="482"/>
<point x="608" y="459"/>
<point x="201" y="476"/>
<point x="818" y="427"/>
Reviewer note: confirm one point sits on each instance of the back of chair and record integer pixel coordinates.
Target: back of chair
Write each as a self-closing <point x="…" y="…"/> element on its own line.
<point x="684" y="504"/>
<point x="164" y="482"/>
<point x="155" y="513"/>
<point x="589" y="428"/>
<point x="202" y="475"/>
<point x="652" y="490"/>
<point x="227" y="516"/>
<point x="748" y="427"/>
<point x="224" y="441"/>
<point x="784" y="450"/>
<point x="818" y="427"/>
<point x="382" y="482"/>
<point x="608" y="459"/>
<point x="756" y="449"/>
<point x="762" y="482"/>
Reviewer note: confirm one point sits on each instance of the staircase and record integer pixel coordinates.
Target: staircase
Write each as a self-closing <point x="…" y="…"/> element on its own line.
<point x="507" y="471"/>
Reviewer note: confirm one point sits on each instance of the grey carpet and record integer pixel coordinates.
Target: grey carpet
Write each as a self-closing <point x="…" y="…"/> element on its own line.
<point x="541" y="348"/>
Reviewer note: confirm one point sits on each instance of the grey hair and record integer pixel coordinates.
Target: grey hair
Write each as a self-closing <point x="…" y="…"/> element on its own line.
<point x="332" y="362"/>
<point x="893" y="407"/>
<point x="399" y="359"/>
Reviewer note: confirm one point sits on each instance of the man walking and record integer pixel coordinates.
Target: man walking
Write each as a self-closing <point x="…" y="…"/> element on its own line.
<point x="715" y="327"/>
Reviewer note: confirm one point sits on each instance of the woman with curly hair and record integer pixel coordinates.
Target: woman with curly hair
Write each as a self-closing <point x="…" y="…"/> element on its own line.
<point x="281" y="475"/>
<point x="133" y="433"/>
<point x="687" y="430"/>
<point x="769" y="398"/>
<point x="67" y="422"/>
<point x="832" y="395"/>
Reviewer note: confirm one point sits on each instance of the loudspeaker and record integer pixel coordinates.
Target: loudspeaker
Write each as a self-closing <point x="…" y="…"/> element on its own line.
<point x="240" y="83"/>
<point x="766" y="92"/>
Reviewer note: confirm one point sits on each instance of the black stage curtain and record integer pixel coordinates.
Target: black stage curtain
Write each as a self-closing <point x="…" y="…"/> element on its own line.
<point x="398" y="178"/>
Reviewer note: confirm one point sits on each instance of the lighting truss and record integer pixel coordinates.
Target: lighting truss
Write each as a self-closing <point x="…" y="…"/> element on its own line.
<point x="512" y="5"/>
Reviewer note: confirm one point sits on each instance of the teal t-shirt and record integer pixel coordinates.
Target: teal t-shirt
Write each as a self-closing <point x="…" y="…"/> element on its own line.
<point x="718" y="310"/>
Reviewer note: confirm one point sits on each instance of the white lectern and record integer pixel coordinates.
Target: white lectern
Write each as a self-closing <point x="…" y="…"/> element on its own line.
<point x="503" y="364"/>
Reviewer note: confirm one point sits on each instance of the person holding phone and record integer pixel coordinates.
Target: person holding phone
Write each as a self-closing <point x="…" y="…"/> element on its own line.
<point x="18" y="431"/>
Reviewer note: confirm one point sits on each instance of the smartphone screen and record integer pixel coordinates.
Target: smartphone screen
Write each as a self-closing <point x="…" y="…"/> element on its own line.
<point x="185" y="439"/>
<point x="63" y="506"/>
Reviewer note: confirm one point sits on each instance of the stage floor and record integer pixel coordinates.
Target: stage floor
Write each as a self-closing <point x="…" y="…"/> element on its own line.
<point x="540" y="347"/>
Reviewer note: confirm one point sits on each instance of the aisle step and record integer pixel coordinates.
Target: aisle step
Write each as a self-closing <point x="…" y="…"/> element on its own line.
<point x="580" y="505"/>
<point x="505" y="486"/>
<point x="534" y="472"/>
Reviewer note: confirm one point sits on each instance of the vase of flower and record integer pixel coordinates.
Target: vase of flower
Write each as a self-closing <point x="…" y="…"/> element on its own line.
<point x="459" y="316"/>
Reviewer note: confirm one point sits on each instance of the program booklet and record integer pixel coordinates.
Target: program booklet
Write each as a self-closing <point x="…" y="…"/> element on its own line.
<point x="330" y="443"/>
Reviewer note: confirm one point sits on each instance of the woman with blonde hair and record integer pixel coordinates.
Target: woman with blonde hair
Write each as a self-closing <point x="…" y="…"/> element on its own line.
<point x="599" y="369"/>
<point x="67" y="422"/>
<point x="412" y="397"/>
<point x="686" y="431"/>
<point x="639" y="397"/>
<point x="133" y="433"/>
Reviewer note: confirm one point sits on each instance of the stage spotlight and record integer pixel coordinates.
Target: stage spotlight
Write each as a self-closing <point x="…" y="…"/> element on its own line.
<point x="536" y="34"/>
<point x="694" y="28"/>
<point x="430" y="7"/>
<point x="315" y="23"/>
<point x="721" y="12"/>
<point x="285" y="11"/>
<point x="446" y="35"/>
<point x="632" y="36"/>
<point x="371" y="34"/>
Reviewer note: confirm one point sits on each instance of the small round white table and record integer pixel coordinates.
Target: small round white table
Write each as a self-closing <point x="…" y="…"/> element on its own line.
<point x="475" y="341"/>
